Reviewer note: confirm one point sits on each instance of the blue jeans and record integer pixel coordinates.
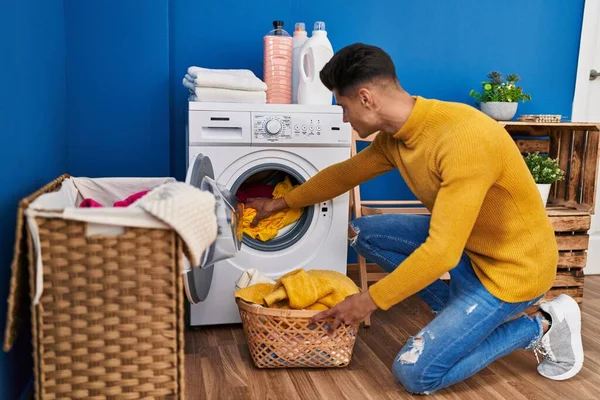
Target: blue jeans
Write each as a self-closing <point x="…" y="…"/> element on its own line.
<point x="472" y="328"/>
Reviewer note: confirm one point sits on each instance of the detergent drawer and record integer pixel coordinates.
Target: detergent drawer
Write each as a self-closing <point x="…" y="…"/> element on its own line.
<point x="218" y="127"/>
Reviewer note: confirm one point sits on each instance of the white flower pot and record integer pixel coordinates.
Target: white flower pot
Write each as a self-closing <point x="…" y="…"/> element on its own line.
<point x="500" y="111"/>
<point x="544" y="189"/>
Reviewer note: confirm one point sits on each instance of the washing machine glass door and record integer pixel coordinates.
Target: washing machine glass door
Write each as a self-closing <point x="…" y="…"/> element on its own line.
<point x="198" y="278"/>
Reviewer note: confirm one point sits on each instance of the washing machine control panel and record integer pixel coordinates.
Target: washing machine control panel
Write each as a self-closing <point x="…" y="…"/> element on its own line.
<point x="272" y="127"/>
<point x="299" y="128"/>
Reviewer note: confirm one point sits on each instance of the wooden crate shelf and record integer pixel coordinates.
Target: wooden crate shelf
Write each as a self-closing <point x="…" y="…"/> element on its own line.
<point x="575" y="145"/>
<point x="572" y="259"/>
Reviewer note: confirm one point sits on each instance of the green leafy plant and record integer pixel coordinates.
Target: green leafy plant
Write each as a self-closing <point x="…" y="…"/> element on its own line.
<point x="496" y="88"/>
<point x="544" y="169"/>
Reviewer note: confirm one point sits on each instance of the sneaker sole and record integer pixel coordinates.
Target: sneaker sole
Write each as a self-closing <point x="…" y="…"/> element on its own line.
<point x="573" y="317"/>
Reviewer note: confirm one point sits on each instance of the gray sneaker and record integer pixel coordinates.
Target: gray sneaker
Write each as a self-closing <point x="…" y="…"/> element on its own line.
<point x="561" y="346"/>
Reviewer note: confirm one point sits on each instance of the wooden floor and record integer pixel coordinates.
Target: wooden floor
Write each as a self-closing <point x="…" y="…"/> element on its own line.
<point x="218" y="365"/>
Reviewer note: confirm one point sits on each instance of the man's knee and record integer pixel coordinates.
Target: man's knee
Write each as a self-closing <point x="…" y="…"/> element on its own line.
<point x="352" y="235"/>
<point x="354" y="229"/>
<point x="351" y="232"/>
<point x="409" y="369"/>
<point x="357" y="225"/>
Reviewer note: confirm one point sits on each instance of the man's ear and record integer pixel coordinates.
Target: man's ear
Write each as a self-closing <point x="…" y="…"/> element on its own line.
<point x="365" y="97"/>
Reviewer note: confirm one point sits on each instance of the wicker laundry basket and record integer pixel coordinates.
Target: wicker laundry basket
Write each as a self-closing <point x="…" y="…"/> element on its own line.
<point x="109" y="322"/>
<point x="280" y="338"/>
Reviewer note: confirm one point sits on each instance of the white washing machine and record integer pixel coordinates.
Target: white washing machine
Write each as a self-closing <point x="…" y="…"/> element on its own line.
<point x="250" y="142"/>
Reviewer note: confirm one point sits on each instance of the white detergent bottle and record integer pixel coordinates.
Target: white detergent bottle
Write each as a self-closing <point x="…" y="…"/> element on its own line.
<point x="300" y="37"/>
<point x="315" y="53"/>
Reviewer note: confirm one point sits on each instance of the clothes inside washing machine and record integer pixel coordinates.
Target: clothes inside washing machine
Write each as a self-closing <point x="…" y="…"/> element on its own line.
<point x="268" y="183"/>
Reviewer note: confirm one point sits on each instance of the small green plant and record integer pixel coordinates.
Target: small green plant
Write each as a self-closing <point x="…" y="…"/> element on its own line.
<point x="544" y="169"/>
<point x="496" y="88"/>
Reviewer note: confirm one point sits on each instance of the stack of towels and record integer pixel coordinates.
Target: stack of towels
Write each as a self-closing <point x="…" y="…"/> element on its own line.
<point x="225" y="85"/>
<point x="314" y="290"/>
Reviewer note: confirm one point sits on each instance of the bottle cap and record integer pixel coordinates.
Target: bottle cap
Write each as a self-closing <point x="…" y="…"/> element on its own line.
<point x="319" y="26"/>
<point x="300" y="27"/>
<point x="278" y="24"/>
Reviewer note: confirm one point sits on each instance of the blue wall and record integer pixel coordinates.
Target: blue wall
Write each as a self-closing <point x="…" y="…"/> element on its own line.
<point x="124" y="59"/>
<point x="118" y="87"/>
<point x="33" y="140"/>
<point x="441" y="49"/>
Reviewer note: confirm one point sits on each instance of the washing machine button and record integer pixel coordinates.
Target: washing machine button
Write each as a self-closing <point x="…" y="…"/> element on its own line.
<point x="273" y="127"/>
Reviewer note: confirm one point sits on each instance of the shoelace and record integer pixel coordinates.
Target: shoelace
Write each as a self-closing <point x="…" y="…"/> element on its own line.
<point x="542" y="348"/>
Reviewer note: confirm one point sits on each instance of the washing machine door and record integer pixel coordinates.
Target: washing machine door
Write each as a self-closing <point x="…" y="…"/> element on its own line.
<point x="229" y="211"/>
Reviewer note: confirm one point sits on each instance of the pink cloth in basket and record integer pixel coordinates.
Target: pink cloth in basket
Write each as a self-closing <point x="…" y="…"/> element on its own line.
<point x="91" y="203"/>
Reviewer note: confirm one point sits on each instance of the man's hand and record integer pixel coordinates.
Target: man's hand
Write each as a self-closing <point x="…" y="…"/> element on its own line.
<point x="265" y="208"/>
<point x="353" y="310"/>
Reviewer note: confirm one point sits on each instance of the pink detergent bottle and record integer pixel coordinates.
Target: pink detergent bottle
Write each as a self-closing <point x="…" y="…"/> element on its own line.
<point x="277" y="68"/>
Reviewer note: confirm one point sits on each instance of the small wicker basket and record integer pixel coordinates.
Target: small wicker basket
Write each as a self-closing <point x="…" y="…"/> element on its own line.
<point x="285" y="338"/>
<point x="540" y="118"/>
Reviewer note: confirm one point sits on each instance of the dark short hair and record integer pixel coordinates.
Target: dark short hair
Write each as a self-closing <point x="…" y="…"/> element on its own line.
<point x="357" y="64"/>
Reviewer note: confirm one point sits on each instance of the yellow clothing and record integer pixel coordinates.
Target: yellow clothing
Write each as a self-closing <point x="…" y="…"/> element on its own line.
<point x="468" y="172"/>
<point x="282" y="188"/>
<point x="254" y="293"/>
<point x="342" y="286"/>
<point x="269" y="227"/>
<point x="301" y="290"/>
<point x="317" y="307"/>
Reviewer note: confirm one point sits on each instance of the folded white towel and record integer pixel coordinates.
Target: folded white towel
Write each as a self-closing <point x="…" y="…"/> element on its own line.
<point x="228" y="96"/>
<point x="251" y="277"/>
<point x="224" y="81"/>
<point x="188" y="210"/>
<point x="194" y="71"/>
<point x="189" y="84"/>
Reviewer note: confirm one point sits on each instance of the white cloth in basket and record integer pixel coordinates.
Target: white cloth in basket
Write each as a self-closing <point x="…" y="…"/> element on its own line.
<point x="168" y="205"/>
<point x="188" y="210"/>
<point x="251" y="277"/>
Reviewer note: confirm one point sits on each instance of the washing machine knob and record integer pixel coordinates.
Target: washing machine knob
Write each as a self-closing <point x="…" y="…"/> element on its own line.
<point x="273" y="127"/>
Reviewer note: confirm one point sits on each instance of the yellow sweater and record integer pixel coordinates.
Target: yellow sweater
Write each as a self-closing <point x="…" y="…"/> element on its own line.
<point x="468" y="172"/>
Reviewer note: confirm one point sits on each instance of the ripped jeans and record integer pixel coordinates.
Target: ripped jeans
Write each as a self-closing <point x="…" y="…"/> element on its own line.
<point x="471" y="328"/>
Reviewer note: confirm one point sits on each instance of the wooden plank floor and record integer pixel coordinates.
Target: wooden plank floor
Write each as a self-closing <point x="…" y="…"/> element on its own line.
<point x="218" y="365"/>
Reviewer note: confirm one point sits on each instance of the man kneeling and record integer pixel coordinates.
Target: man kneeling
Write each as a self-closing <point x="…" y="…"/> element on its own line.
<point x="487" y="227"/>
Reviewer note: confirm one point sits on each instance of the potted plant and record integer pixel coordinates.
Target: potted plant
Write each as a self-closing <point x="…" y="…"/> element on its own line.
<point x="545" y="172"/>
<point x="499" y="97"/>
